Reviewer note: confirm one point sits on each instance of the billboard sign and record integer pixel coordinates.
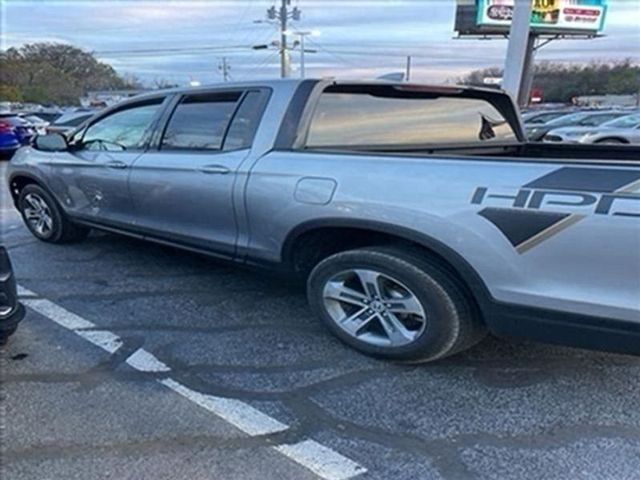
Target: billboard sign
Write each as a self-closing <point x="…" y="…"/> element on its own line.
<point x="550" y="15"/>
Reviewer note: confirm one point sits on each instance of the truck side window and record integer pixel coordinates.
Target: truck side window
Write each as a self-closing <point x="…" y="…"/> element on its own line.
<point x="199" y="121"/>
<point x="246" y="120"/>
<point x="122" y="130"/>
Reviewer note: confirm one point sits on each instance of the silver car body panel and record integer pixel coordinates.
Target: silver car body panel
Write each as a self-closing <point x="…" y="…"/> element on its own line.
<point x="592" y="135"/>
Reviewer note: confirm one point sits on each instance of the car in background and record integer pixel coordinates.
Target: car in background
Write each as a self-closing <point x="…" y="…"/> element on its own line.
<point x="38" y="123"/>
<point x="536" y="133"/>
<point x="539" y="117"/>
<point x="622" y="130"/>
<point x="69" y="121"/>
<point x="15" y="132"/>
<point x="47" y="115"/>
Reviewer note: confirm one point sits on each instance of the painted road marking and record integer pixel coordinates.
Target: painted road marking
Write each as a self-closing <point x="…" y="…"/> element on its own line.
<point x="236" y="412"/>
<point x="321" y="460"/>
<point x="146" y="362"/>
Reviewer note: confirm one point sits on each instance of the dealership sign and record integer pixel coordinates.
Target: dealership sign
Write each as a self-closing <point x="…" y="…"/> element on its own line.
<point x="558" y="15"/>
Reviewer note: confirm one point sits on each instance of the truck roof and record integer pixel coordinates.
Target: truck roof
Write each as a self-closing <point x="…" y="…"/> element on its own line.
<point x="291" y="84"/>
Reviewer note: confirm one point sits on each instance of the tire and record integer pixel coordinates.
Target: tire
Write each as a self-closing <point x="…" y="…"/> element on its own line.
<point x="451" y="321"/>
<point x="35" y="203"/>
<point x="610" y="141"/>
<point x="6" y="154"/>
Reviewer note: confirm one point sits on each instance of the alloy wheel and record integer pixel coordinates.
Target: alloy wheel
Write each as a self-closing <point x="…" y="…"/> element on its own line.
<point x="38" y="215"/>
<point x="374" y="307"/>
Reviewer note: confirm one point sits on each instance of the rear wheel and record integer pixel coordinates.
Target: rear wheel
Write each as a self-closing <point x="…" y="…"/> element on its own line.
<point x="45" y="219"/>
<point x="610" y="141"/>
<point x="391" y="303"/>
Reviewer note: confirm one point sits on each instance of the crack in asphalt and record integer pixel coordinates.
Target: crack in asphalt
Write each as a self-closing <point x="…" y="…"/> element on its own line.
<point x="55" y="450"/>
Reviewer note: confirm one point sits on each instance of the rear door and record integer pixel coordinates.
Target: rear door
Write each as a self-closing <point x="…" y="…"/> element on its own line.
<point x="90" y="179"/>
<point x="182" y="188"/>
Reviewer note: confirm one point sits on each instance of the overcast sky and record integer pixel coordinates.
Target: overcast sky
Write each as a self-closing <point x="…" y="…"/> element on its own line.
<point x="359" y="38"/>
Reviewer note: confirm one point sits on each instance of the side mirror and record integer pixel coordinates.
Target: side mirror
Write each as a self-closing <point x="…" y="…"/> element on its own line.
<point x="51" y="142"/>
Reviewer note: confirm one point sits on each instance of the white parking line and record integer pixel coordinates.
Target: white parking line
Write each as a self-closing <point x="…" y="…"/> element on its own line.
<point x="323" y="461"/>
<point x="146" y="362"/>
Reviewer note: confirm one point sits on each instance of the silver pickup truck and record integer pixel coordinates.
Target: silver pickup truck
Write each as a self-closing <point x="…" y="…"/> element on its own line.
<point x="418" y="216"/>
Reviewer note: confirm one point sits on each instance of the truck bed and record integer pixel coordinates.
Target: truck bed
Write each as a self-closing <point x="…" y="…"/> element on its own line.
<point x="539" y="152"/>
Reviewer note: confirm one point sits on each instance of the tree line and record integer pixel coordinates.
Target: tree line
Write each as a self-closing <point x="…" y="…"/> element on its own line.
<point x="561" y="82"/>
<point x="54" y="73"/>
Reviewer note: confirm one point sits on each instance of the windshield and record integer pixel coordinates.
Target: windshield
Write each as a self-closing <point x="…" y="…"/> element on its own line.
<point x="538" y="118"/>
<point x="630" y="121"/>
<point x="569" y="119"/>
<point x="34" y="119"/>
<point x="599" y="119"/>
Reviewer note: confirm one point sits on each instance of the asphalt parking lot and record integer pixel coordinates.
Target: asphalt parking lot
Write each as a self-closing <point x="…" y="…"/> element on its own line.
<point x="141" y="361"/>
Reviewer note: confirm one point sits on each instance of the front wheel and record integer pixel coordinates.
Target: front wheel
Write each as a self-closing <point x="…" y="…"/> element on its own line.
<point x="393" y="303"/>
<point x="44" y="219"/>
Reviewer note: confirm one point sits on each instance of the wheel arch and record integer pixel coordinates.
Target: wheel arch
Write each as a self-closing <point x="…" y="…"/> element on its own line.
<point x="617" y="139"/>
<point x="334" y="235"/>
<point x="20" y="180"/>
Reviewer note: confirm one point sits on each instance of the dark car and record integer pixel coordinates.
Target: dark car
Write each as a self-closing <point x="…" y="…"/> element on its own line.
<point x="11" y="311"/>
<point x="15" y="132"/>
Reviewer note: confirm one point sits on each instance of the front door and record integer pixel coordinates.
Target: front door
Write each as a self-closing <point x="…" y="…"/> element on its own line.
<point x="91" y="178"/>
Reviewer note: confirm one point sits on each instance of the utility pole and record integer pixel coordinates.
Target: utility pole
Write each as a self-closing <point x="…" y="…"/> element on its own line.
<point x="224" y="67"/>
<point x="302" y="56"/>
<point x="519" y="52"/>
<point x="285" y="59"/>
<point x="283" y="15"/>
<point x="407" y="76"/>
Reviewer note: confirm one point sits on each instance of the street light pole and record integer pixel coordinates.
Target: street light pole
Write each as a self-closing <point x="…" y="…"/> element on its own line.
<point x="301" y="43"/>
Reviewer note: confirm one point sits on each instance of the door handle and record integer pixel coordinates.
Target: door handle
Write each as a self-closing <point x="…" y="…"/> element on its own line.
<point x="116" y="164"/>
<point x="214" y="169"/>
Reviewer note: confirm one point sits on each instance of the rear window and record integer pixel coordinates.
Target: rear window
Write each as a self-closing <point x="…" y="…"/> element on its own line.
<point x="386" y="116"/>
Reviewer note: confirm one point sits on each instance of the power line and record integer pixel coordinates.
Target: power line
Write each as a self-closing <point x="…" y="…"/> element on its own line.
<point x="170" y="50"/>
<point x="261" y="64"/>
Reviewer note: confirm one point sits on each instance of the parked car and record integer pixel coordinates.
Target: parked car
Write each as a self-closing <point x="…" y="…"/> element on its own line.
<point x="418" y="216"/>
<point x="11" y="311"/>
<point x="14" y="133"/>
<point x="48" y="115"/>
<point x="539" y="117"/>
<point x="578" y="119"/>
<point x="67" y="122"/>
<point x="623" y="130"/>
<point x="37" y="123"/>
